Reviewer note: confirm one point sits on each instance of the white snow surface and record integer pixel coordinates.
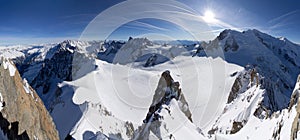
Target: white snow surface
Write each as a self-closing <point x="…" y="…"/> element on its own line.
<point x="127" y="90"/>
<point x="7" y="64"/>
<point x="26" y="87"/>
<point x="118" y="93"/>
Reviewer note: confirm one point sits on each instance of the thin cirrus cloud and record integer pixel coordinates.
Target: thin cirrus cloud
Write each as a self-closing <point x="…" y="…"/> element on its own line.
<point x="279" y="19"/>
<point x="282" y="21"/>
<point x="172" y="11"/>
<point x="274" y="20"/>
<point x="144" y="25"/>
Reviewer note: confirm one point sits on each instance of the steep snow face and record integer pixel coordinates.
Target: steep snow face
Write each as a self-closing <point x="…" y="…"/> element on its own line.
<point x="283" y="124"/>
<point x="244" y="99"/>
<point x="277" y="60"/>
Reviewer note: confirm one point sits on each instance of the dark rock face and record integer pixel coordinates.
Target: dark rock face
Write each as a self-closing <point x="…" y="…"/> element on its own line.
<point x="151" y="61"/>
<point x="242" y="81"/>
<point x="236" y="126"/>
<point x="24" y="112"/>
<point x="223" y="34"/>
<point x="58" y="67"/>
<point x="11" y="129"/>
<point x="231" y="45"/>
<point x="235" y="89"/>
<point x="166" y="90"/>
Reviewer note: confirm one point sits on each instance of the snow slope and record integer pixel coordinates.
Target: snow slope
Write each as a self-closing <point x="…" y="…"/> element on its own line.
<point x="126" y="92"/>
<point x="107" y="87"/>
<point x="278" y="126"/>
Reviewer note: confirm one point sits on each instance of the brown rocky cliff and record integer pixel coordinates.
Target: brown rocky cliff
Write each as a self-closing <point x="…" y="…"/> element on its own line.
<point x="24" y="109"/>
<point x="295" y="99"/>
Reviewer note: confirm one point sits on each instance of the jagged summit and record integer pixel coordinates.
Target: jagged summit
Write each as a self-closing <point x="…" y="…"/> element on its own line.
<point x="166" y="91"/>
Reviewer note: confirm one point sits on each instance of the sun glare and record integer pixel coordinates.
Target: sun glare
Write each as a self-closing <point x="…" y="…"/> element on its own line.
<point x="209" y="16"/>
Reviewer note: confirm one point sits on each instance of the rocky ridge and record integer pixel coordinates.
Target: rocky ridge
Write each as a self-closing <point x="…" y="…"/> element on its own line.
<point x="23" y="114"/>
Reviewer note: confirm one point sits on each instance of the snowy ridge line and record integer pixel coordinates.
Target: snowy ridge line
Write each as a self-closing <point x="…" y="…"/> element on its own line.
<point x="117" y="81"/>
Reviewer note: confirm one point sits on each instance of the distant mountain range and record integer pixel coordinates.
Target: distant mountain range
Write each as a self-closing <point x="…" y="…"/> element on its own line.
<point x="241" y="85"/>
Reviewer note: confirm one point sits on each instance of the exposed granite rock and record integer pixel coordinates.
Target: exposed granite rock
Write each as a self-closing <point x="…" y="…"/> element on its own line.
<point x="166" y="90"/>
<point x="24" y="113"/>
<point x="237" y="85"/>
<point x="237" y="126"/>
<point x="295" y="99"/>
<point x="242" y="82"/>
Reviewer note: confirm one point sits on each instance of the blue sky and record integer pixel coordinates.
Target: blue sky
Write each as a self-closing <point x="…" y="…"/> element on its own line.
<point x="44" y="21"/>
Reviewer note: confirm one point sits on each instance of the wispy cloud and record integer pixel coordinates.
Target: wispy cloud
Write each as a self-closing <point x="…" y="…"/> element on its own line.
<point x="282" y="16"/>
<point x="147" y="26"/>
<point x="280" y="23"/>
<point x="137" y="28"/>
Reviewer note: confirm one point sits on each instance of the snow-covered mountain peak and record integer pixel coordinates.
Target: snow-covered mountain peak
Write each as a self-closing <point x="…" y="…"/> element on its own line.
<point x="84" y="78"/>
<point x="72" y="45"/>
<point x="276" y="60"/>
<point x="137" y="42"/>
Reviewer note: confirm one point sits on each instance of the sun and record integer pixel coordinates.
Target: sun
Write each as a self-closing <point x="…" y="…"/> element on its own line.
<point x="209" y="16"/>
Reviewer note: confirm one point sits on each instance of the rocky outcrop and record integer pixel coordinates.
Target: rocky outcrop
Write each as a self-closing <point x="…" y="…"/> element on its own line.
<point x="166" y="90"/>
<point x="244" y="81"/>
<point x="23" y="114"/>
<point x="231" y="45"/>
<point x="295" y="99"/>
<point x="236" y="127"/>
<point x="151" y="60"/>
